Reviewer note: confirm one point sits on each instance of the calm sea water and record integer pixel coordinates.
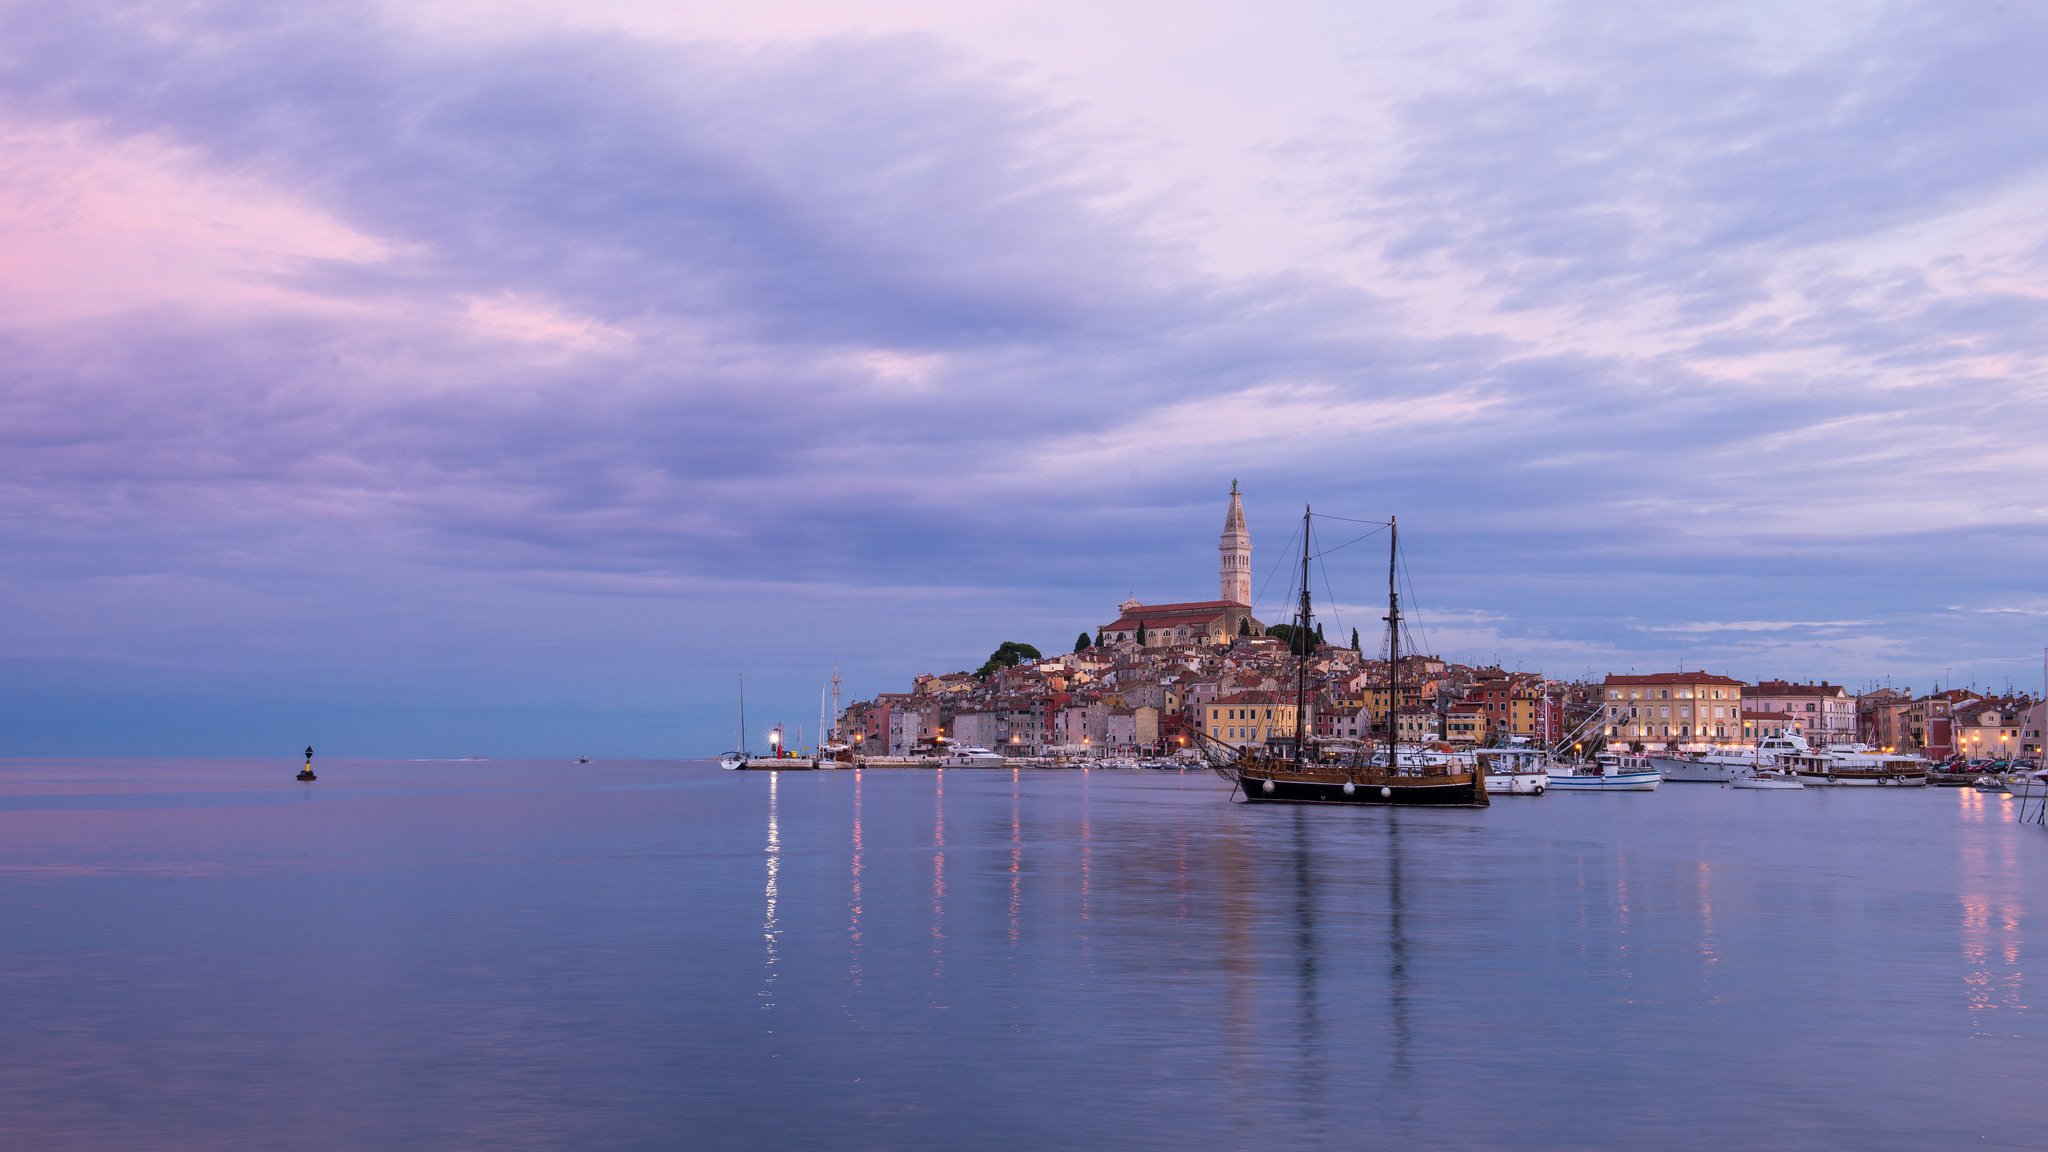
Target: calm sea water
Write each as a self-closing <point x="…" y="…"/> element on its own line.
<point x="663" y="955"/>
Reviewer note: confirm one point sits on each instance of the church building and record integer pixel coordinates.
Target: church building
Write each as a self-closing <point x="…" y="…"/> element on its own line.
<point x="1200" y="621"/>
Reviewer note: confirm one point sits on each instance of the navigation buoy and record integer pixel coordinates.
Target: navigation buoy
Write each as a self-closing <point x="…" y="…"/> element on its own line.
<point x="1266" y="787"/>
<point x="1386" y="793"/>
<point x="306" y="773"/>
<point x="1350" y="789"/>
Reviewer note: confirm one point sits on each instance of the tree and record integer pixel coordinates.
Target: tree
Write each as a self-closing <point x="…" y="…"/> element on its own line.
<point x="1300" y="641"/>
<point x="1354" y="640"/>
<point x="1081" y="643"/>
<point x="1098" y="637"/>
<point x="1008" y="655"/>
<point x="1244" y="625"/>
<point x="1319" y="636"/>
<point x="1141" y="633"/>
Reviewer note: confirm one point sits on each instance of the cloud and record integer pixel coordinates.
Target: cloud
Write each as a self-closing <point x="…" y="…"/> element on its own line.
<point x="1662" y="329"/>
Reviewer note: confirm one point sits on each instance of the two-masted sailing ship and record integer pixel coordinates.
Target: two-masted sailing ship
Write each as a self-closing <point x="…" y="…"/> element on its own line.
<point x="1304" y="771"/>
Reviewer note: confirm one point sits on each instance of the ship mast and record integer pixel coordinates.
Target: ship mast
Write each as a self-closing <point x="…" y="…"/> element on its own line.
<point x="1393" y="652"/>
<point x="1300" y="638"/>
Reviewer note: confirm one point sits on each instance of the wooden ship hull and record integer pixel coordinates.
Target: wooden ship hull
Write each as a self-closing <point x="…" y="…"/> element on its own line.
<point x="1284" y="783"/>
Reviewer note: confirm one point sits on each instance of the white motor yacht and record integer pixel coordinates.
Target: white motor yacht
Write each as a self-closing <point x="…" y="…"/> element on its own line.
<point x="973" y="756"/>
<point x="1722" y="767"/>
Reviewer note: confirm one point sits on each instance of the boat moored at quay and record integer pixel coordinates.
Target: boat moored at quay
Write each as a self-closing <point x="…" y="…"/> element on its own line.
<point x="1722" y="767"/>
<point x="1854" y="766"/>
<point x="1608" y="772"/>
<point x="1516" y="770"/>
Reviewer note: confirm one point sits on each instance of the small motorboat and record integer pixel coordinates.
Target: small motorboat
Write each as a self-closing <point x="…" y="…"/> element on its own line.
<point x="1988" y="784"/>
<point x="1767" y="780"/>
<point x="1610" y="772"/>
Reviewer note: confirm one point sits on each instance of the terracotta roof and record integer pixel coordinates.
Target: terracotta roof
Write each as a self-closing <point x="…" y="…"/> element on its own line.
<point x="1672" y="678"/>
<point x="1252" y="698"/>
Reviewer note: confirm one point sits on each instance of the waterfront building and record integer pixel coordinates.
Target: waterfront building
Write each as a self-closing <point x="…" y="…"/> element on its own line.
<point x="1823" y="713"/>
<point x="1342" y="719"/>
<point x="1249" y="718"/>
<point x="1673" y="707"/>
<point x="1991" y="729"/>
<point x="1519" y="705"/>
<point x="1760" y="725"/>
<point x="2033" y="723"/>
<point x="1930" y="723"/>
<point x="1468" y="726"/>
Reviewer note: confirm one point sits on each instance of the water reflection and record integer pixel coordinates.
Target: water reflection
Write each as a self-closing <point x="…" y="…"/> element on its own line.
<point x="853" y="902"/>
<point x="1710" y="954"/>
<point x="771" y="930"/>
<point x="1401" y="1087"/>
<point x="1993" y="982"/>
<point x="1308" y="1019"/>
<point x="938" y="886"/>
<point x="1016" y="860"/>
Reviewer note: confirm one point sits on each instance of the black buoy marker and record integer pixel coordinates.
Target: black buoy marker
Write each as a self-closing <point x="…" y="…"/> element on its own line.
<point x="306" y="773"/>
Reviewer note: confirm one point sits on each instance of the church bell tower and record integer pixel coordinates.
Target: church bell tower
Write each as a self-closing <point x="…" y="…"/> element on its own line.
<point x="1237" y="553"/>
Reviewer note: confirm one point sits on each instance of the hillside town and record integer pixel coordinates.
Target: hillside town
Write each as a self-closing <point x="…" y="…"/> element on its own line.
<point x="1153" y="678"/>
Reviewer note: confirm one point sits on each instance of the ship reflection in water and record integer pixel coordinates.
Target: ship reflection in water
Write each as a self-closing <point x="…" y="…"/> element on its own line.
<point x="510" y="955"/>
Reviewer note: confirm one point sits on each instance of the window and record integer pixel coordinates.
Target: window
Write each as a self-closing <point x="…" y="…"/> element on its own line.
<point x="1664" y="694"/>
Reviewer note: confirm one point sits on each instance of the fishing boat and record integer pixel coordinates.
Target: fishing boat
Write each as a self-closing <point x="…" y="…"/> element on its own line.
<point x="1515" y="770"/>
<point x="1768" y="780"/>
<point x="1608" y="772"/>
<point x="1295" y="770"/>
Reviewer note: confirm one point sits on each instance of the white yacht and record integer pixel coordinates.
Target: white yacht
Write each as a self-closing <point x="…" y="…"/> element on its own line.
<point x="972" y="756"/>
<point x="1722" y="767"/>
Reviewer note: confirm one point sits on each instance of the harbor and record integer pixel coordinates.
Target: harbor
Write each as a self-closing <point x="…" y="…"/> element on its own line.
<point x="517" y="953"/>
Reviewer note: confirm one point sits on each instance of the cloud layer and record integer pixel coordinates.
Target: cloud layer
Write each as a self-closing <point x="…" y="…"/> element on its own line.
<point x="366" y="364"/>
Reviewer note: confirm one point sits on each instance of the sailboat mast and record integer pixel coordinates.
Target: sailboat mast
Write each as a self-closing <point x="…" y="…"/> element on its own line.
<point x="743" y="714"/>
<point x="1300" y="638"/>
<point x="1393" y="649"/>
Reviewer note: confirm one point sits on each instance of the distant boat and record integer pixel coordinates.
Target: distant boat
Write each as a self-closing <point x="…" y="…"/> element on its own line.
<point x="737" y="758"/>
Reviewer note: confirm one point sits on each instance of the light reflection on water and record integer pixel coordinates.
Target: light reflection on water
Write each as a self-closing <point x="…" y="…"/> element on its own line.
<point x="664" y="955"/>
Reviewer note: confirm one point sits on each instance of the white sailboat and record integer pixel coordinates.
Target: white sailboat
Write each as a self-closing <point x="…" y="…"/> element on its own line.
<point x="737" y="758"/>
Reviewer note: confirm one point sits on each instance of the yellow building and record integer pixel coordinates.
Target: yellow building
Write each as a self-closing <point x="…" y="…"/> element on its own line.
<point x="1468" y="727"/>
<point x="1248" y="718"/>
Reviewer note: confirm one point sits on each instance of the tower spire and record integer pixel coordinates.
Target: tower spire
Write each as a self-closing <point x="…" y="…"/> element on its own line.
<point x="1236" y="549"/>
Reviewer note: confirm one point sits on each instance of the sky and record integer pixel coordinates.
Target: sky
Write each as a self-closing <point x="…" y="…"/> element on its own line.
<point x="466" y="378"/>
